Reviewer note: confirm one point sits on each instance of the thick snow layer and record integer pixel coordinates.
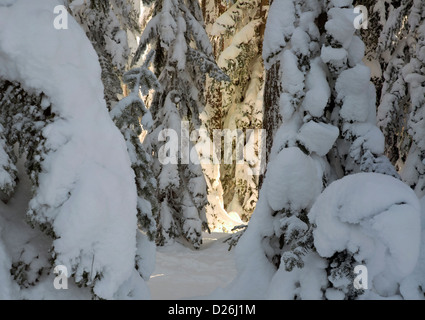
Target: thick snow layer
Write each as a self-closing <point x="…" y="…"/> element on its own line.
<point x="334" y="55"/>
<point x="318" y="91"/>
<point x="340" y="25"/>
<point x="292" y="180"/>
<point x="300" y="42"/>
<point x="375" y="217"/>
<point x="279" y="25"/>
<point x="87" y="186"/>
<point x="292" y="77"/>
<point x="318" y="137"/>
<point x="245" y="35"/>
<point x="369" y="137"/>
<point x="353" y="87"/>
<point x="306" y="283"/>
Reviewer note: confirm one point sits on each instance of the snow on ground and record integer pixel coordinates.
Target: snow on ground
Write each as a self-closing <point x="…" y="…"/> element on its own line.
<point x="184" y="273"/>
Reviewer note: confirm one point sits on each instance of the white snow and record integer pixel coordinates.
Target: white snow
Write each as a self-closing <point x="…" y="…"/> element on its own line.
<point x="300" y="41"/>
<point x="318" y="137"/>
<point x="305" y="283"/>
<point x="353" y="89"/>
<point x="180" y="47"/>
<point x="370" y="137"/>
<point x="86" y="189"/>
<point x="183" y="273"/>
<point x="330" y="54"/>
<point x="254" y="271"/>
<point x="340" y="25"/>
<point x="411" y="287"/>
<point x="302" y="182"/>
<point x="318" y="91"/>
<point x="375" y="217"/>
<point x="292" y="77"/>
<point x="87" y="192"/>
<point x="246" y="34"/>
<point x="30" y="247"/>
<point x="168" y="25"/>
<point x="280" y="19"/>
<point x="233" y="50"/>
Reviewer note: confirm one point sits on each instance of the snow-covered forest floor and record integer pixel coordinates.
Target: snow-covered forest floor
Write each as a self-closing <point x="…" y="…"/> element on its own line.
<point x="183" y="273"/>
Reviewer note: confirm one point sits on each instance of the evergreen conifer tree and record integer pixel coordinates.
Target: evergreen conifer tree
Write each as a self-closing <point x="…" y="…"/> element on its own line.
<point x="183" y="58"/>
<point x="324" y="123"/>
<point x="400" y="113"/>
<point x="132" y="117"/>
<point x="237" y="105"/>
<point x="73" y="165"/>
<point x="112" y="27"/>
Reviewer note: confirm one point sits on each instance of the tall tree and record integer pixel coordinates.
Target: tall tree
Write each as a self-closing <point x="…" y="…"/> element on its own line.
<point x="400" y="112"/>
<point x="132" y="117"/>
<point x="236" y="30"/>
<point x="323" y="121"/>
<point x="361" y="146"/>
<point x="183" y="58"/>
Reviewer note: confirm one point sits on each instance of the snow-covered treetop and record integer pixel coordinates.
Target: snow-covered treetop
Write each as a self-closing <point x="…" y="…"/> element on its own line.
<point x="179" y="28"/>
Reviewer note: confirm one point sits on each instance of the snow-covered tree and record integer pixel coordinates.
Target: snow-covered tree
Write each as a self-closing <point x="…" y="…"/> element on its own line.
<point x="414" y="171"/>
<point x="372" y="221"/>
<point x="324" y="123"/>
<point x="13" y="100"/>
<point x="279" y="233"/>
<point x="305" y="136"/>
<point x="393" y="45"/>
<point x="183" y="58"/>
<point x="132" y="117"/>
<point x="400" y="113"/>
<point x="361" y="146"/>
<point x="236" y="30"/>
<point x="112" y="27"/>
<point x="76" y="187"/>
